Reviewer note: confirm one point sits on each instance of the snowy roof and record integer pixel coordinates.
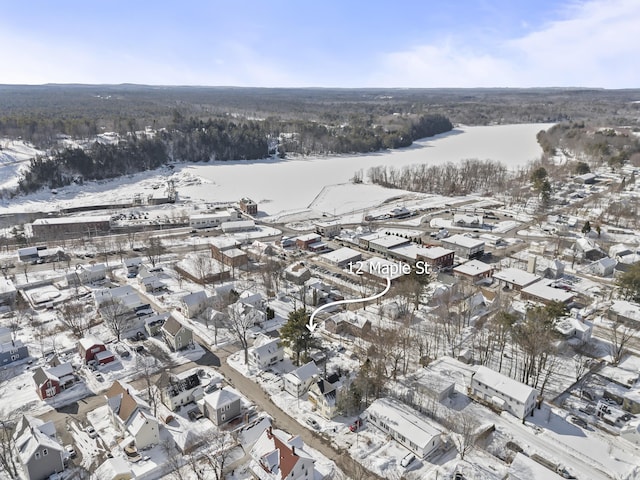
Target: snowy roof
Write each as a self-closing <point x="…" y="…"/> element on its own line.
<point x="221" y="397"/>
<point x="172" y="326"/>
<point x="606" y="262"/>
<point x="30" y="435"/>
<point x="87" y="342"/>
<point x="463" y="241"/>
<point x="303" y="372"/>
<point x="342" y="255"/>
<point x="389" y="241"/>
<point x="8" y="346"/>
<point x="501" y="383"/>
<point x="195" y="298"/>
<point x="268" y="348"/>
<point x="274" y="452"/>
<point x="224" y="243"/>
<point x="405" y="420"/>
<point x="435" y="252"/>
<point x="6" y="286"/>
<point x="626" y="309"/>
<point x="620" y="249"/>
<point x="112" y="468"/>
<point x="516" y="276"/>
<point x="309" y="237"/>
<point x="544" y="291"/>
<point x="473" y="268"/>
<point x="74" y="220"/>
<point x="238" y="224"/>
<point x="383" y="268"/>
<point x="104" y="354"/>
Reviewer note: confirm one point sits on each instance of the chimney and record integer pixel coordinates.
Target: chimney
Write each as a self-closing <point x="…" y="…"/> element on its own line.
<point x="269" y="433"/>
<point x="293" y="450"/>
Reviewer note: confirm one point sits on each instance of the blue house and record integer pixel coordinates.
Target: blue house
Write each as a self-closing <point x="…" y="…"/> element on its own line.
<point x="12" y="352"/>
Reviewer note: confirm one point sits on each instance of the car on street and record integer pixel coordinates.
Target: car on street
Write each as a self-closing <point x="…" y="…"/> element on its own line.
<point x="578" y="421"/>
<point x="313" y="423"/>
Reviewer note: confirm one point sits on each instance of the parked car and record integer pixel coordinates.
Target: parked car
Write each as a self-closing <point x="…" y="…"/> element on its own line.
<point x="99" y="377"/>
<point x="71" y="452"/>
<point x="139" y="348"/>
<point x="356" y="425"/>
<point x="578" y="421"/>
<point x="313" y="423"/>
<point x="91" y="432"/>
<point x="407" y="460"/>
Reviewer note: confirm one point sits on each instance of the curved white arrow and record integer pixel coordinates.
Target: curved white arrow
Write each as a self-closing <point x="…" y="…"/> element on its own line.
<point x="312" y="326"/>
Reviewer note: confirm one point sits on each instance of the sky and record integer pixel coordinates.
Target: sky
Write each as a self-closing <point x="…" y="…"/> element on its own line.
<point x="323" y="43"/>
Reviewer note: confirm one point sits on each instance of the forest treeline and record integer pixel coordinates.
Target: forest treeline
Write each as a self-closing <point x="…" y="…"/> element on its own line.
<point x="470" y="176"/>
<point x="191" y="139"/>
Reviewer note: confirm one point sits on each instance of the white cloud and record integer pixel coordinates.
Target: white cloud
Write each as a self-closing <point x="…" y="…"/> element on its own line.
<point x="594" y="45"/>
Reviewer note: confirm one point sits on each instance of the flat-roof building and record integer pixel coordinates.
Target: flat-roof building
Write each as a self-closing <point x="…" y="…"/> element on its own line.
<point x="464" y="247"/>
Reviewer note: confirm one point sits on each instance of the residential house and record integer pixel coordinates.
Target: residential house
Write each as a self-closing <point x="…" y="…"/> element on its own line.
<point x="131" y="415"/>
<point x="544" y="268"/>
<point x="631" y="431"/>
<point x="247" y="314"/>
<point x="176" y="335"/>
<point x="603" y="267"/>
<point x="297" y="273"/>
<point x="276" y="455"/>
<point x="468" y="221"/>
<point x="348" y="323"/>
<point x="587" y="249"/>
<point x="298" y="381"/>
<point x="50" y="381"/>
<point x="12" y="351"/>
<point x="192" y="304"/>
<point x="432" y="383"/>
<point x="37" y="448"/>
<point x="91" y="349"/>
<point x="132" y="265"/>
<point x="624" y="311"/>
<point x="221" y="406"/>
<point x="620" y="250"/>
<point x="116" y="468"/>
<point x="405" y="425"/>
<point x="266" y="351"/>
<point x="84" y="274"/>
<point x="179" y="390"/>
<point x="503" y="392"/>
<point x="324" y="394"/>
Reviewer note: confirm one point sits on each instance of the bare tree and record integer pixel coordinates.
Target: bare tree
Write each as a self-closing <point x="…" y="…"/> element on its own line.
<point x="116" y="316"/>
<point x="218" y="454"/>
<point x="239" y="324"/>
<point x="120" y="246"/>
<point x="25" y="267"/>
<point x="464" y="432"/>
<point x="202" y="264"/>
<point x="619" y="336"/>
<point x="147" y="367"/>
<point x="73" y="316"/>
<point x="154" y="250"/>
<point x="7" y="448"/>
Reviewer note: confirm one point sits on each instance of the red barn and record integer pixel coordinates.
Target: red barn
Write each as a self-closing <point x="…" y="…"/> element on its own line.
<point x="88" y="347"/>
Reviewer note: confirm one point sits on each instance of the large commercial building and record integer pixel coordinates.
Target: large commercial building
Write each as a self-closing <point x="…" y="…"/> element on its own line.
<point x="63" y="227"/>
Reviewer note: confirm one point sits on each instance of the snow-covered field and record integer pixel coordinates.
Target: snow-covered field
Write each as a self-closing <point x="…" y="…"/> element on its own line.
<point x="292" y="184"/>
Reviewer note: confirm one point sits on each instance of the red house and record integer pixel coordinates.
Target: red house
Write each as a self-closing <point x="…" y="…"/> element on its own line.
<point x="51" y="381"/>
<point x="90" y="347"/>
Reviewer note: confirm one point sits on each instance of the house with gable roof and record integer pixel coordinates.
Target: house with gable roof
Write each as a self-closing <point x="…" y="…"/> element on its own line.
<point x="276" y="455"/>
<point x="176" y="335"/>
<point x="266" y="351"/>
<point x="324" y="394"/>
<point x="298" y="381"/>
<point x="131" y="415"/>
<point x="194" y="303"/>
<point x="37" y="448"/>
<point x="50" y="381"/>
<point x="504" y="392"/>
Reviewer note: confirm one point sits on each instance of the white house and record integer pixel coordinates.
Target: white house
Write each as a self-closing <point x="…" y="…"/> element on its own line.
<point x="181" y="389"/>
<point x="514" y="278"/>
<point x="131" y="415"/>
<point x="276" y="455"/>
<point x="299" y="380"/>
<point x="405" y="425"/>
<point x="324" y="394"/>
<point x="603" y="267"/>
<point x="266" y="351"/>
<point x="631" y="431"/>
<point x="504" y="392"/>
<point x="194" y="303"/>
